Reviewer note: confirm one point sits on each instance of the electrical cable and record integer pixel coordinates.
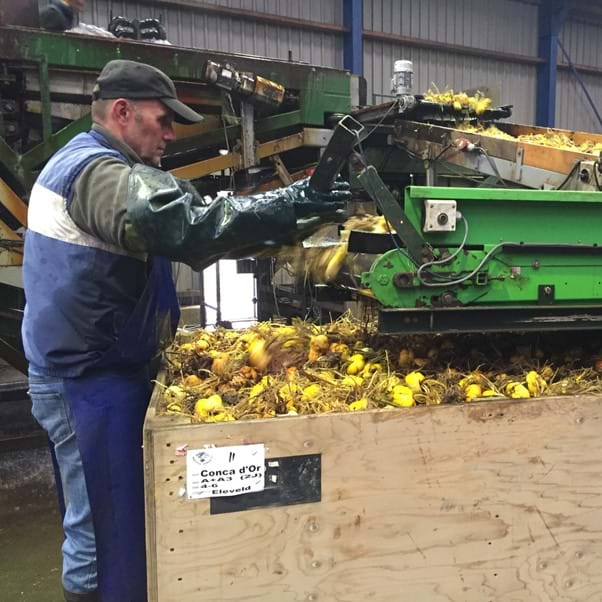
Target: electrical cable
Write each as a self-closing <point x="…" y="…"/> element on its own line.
<point x="404" y="253"/>
<point x="444" y="261"/>
<point x="275" y="295"/>
<point x="226" y="138"/>
<point x="443" y="151"/>
<point x="471" y="274"/>
<point x="569" y="175"/>
<point x="359" y="141"/>
<point x="493" y="250"/>
<point x="596" y="179"/>
<point x="491" y="162"/>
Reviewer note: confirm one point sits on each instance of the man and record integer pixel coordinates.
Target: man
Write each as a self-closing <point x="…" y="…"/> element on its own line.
<point x="59" y="15"/>
<point x="103" y="224"/>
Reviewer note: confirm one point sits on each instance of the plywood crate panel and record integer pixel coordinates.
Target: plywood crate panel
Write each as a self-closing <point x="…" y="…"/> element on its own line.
<point x="487" y="501"/>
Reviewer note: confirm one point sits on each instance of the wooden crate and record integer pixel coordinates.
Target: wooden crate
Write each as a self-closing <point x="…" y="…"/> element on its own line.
<point x="487" y="501"/>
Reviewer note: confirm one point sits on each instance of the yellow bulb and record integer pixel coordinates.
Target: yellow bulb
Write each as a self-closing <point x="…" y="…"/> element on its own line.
<point x="509" y="388"/>
<point x="403" y="401"/>
<point x="201" y="345"/>
<point x="402" y="390"/>
<point x="413" y="380"/>
<point x="288" y="391"/>
<point x="286" y="331"/>
<point x="535" y="383"/>
<point x="258" y="354"/>
<point x="204" y="406"/>
<point x="311" y="391"/>
<point x="355" y="367"/>
<point x="472" y="392"/>
<point x="520" y="392"/>
<point x="256" y="390"/>
<point x="360" y="404"/>
<point x="174" y="393"/>
<point x="352" y="381"/>
<point x="319" y="342"/>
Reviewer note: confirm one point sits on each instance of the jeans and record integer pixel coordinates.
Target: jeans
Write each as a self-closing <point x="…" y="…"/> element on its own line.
<point x="52" y="411"/>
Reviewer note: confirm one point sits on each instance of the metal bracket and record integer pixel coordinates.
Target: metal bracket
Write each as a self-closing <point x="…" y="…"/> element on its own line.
<point x="281" y="170"/>
<point x="517" y="172"/>
<point x="418" y="250"/>
<point x="346" y="135"/>
<point x="247" y="123"/>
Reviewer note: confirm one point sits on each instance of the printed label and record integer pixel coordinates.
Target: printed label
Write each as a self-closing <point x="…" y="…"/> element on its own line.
<point x="223" y="471"/>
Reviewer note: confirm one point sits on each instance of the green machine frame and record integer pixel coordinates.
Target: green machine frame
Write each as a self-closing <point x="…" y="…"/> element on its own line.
<point x="320" y="91"/>
<point x="530" y="260"/>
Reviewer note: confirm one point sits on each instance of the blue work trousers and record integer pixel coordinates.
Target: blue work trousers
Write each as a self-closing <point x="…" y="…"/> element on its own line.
<point x="52" y="411"/>
<point x="95" y="424"/>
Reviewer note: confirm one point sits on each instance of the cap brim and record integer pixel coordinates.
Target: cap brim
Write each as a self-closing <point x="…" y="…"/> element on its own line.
<point x="182" y="113"/>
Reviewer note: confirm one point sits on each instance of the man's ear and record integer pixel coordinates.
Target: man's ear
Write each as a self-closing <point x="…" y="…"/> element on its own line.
<point x="121" y="111"/>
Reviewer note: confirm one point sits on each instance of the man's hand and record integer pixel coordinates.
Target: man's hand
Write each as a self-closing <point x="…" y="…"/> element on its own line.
<point x="308" y="202"/>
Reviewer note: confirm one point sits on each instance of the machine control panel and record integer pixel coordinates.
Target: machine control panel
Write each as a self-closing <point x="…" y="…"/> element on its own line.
<point x="440" y="216"/>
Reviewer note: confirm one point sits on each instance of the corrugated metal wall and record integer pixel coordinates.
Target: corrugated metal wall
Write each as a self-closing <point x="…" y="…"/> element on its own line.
<point x="197" y="29"/>
<point x="583" y="42"/>
<point x="506" y="26"/>
<point x="473" y="23"/>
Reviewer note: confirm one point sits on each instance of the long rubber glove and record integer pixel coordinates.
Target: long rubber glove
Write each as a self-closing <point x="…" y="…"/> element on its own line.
<point x="172" y="219"/>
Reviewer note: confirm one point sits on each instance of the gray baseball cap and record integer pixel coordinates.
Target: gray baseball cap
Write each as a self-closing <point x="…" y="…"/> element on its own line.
<point x="139" y="81"/>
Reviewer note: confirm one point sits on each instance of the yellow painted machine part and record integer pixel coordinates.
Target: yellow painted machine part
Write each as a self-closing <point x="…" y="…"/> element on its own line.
<point x="234" y="159"/>
<point x="13" y="203"/>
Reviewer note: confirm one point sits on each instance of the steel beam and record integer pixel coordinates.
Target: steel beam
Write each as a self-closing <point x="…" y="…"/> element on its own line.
<point x="552" y="16"/>
<point x="234" y="160"/>
<point x="353" y="45"/>
<point x="393" y="38"/>
<point x="43" y="151"/>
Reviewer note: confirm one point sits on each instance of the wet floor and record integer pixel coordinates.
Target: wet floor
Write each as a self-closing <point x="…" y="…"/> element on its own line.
<point x="30" y="532"/>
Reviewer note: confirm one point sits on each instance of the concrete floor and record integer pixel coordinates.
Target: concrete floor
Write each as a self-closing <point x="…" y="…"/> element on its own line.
<point x="30" y="529"/>
<point x="30" y="524"/>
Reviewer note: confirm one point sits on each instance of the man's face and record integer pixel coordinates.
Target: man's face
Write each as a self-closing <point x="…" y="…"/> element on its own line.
<point x="149" y="129"/>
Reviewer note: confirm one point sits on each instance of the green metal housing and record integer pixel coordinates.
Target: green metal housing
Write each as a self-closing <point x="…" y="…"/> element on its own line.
<point x="543" y="249"/>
